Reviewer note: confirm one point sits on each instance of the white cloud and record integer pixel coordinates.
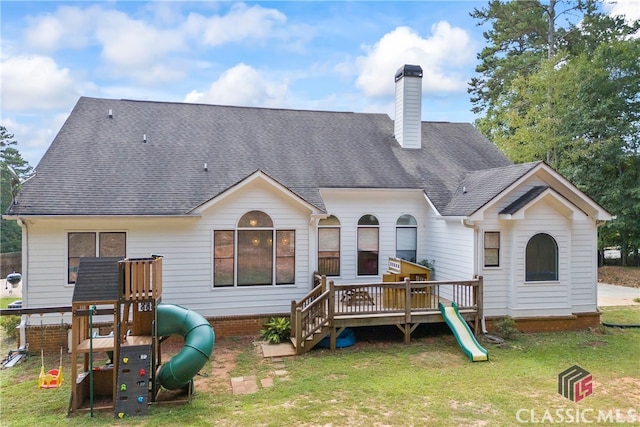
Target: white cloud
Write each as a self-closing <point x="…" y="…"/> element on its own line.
<point x="132" y="44"/>
<point x="35" y="82"/>
<point x="69" y="27"/>
<point x="629" y="8"/>
<point x="33" y="138"/>
<point x="242" y="85"/>
<point x="443" y="57"/>
<point x="147" y="49"/>
<point x="239" y="24"/>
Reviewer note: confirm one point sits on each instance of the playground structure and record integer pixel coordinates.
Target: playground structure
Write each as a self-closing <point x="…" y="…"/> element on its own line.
<point x="127" y="294"/>
<point x="462" y="332"/>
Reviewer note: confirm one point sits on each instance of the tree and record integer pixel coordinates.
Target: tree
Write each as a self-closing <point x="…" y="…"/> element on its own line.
<point x="579" y="110"/>
<point x="523" y="34"/>
<point x="10" y="232"/>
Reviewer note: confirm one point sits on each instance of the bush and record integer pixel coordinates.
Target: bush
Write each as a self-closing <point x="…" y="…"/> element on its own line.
<point x="10" y="324"/>
<point x="506" y="327"/>
<point x="277" y="329"/>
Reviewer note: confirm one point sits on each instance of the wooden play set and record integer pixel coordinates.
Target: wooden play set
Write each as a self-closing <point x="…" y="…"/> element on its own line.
<point x="126" y="293"/>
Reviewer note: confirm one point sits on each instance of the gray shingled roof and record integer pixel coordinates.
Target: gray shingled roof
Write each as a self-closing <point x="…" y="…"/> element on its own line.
<point x="480" y="187"/>
<point x="99" y="165"/>
<point x="522" y="201"/>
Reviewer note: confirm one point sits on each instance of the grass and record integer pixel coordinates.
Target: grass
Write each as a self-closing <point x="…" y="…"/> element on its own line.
<point x="376" y="382"/>
<point x="4" y="302"/>
<point x="615" y="315"/>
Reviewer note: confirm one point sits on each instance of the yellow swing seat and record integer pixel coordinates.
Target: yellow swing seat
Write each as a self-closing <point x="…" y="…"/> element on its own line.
<point x="52" y="379"/>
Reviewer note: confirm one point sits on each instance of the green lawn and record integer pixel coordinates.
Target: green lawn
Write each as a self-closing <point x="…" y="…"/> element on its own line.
<point x="4" y="302"/>
<point x="376" y="382"/>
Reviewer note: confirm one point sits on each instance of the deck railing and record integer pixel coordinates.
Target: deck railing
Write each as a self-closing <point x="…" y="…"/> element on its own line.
<point x="141" y="278"/>
<point x="411" y="300"/>
<point x="312" y="313"/>
<point x="406" y="296"/>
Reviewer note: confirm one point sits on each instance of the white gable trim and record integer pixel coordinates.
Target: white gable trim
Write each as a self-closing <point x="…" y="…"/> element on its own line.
<point x="559" y="184"/>
<point x="559" y="203"/>
<point x="257" y="176"/>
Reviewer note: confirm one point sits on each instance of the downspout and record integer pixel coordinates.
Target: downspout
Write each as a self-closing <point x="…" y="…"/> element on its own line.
<point x="25" y="279"/>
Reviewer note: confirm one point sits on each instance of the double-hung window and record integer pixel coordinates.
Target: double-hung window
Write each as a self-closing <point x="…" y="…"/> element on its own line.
<point x="91" y="244"/>
<point x="368" y="245"/>
<point x="406" y="238"/>
<point x="329" y="246"/>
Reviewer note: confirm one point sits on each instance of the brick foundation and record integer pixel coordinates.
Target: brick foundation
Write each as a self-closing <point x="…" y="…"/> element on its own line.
<point x="240" y="326"/>
<point x="52" y="336"/>
<point x="574" y="322"/>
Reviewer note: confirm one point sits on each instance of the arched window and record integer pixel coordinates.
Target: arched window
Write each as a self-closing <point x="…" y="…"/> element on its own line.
<point x="250" y="250"/>
<point x="541" y="262"/>
<point x="329" y="246"/>
<point x="406" y="238"/>
<point x="368" y="245"/>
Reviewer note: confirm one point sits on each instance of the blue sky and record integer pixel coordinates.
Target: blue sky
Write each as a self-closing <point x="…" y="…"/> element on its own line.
<point x="328" y="55"/>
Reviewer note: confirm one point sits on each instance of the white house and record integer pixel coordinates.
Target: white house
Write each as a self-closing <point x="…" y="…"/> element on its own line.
<point x="246" y="203"/>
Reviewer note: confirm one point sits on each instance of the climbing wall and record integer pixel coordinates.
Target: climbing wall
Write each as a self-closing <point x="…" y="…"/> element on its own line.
<point x="132" y="393"/>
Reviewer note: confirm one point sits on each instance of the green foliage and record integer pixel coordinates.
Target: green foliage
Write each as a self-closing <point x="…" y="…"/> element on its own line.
<point x="9" y="325"/>
<point x="578" y="109"/>
<point x="507" y="327"/>
<point x="277" y="329"/>
<point x="10" y="232"/>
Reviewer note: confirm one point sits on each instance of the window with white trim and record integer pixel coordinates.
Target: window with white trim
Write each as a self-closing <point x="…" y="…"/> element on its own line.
<point x="368" y="245"/>
<point x="246" y="256"/>
<point x="492" y="249"/>
<point x="91" y="244"/>
<point x="541" y="259"/>
<point x="329" y="246"/>
<point x="406" y="238"/>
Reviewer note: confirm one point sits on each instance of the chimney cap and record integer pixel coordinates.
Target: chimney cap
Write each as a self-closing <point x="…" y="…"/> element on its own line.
<point x="409" y="71"/>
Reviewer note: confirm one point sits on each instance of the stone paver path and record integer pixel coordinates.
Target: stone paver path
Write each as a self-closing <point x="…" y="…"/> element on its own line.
<point x="249" y="384"/>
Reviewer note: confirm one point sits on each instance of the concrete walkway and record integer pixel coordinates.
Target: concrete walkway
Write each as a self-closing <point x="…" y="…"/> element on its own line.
<point x="611" y="295"/>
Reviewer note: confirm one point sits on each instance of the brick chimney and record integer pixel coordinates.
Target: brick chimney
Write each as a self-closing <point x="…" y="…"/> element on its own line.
<point x="408" y="122"/>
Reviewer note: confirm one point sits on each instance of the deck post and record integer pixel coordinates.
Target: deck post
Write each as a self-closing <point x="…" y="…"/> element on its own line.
<point x="298" y="327"/>
<point x="407" y="310"/>
<point x="479" y="303"/>
<point x="293" y="318"/>
<point x="323" y="283"/>
<point x="331" y="312"/>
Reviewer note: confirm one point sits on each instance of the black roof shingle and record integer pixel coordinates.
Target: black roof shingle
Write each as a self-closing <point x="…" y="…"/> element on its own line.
<point x="100" y="165"/>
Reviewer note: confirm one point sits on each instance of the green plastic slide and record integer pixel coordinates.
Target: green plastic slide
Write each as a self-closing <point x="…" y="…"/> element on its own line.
<point x="463" y="334"/>
<point x="198" y="344"/>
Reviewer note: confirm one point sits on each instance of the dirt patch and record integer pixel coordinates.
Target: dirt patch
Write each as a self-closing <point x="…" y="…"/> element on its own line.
<point x="621" y="276"/>
<point x="215" y="376"/>
<point x="436" y="359"/>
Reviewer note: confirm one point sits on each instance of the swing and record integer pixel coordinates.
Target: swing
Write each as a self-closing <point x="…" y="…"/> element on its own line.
<point x="53" y="378"/>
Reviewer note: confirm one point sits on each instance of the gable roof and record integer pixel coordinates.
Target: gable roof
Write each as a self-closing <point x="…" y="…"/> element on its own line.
<point x="479" y="187"/>
<point x="101" y="165"/>
<point x="523" y="200"/>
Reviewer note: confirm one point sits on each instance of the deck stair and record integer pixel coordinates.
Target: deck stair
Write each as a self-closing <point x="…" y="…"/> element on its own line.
<point x="329" y="308"/>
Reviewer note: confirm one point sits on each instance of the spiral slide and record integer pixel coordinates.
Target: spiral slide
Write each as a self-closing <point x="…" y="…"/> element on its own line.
<point x="199" y="339"/>
<point x="463" y="334"/>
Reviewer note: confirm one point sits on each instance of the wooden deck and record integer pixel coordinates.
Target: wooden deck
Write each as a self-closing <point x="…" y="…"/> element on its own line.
<point x="329" y="308"/>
